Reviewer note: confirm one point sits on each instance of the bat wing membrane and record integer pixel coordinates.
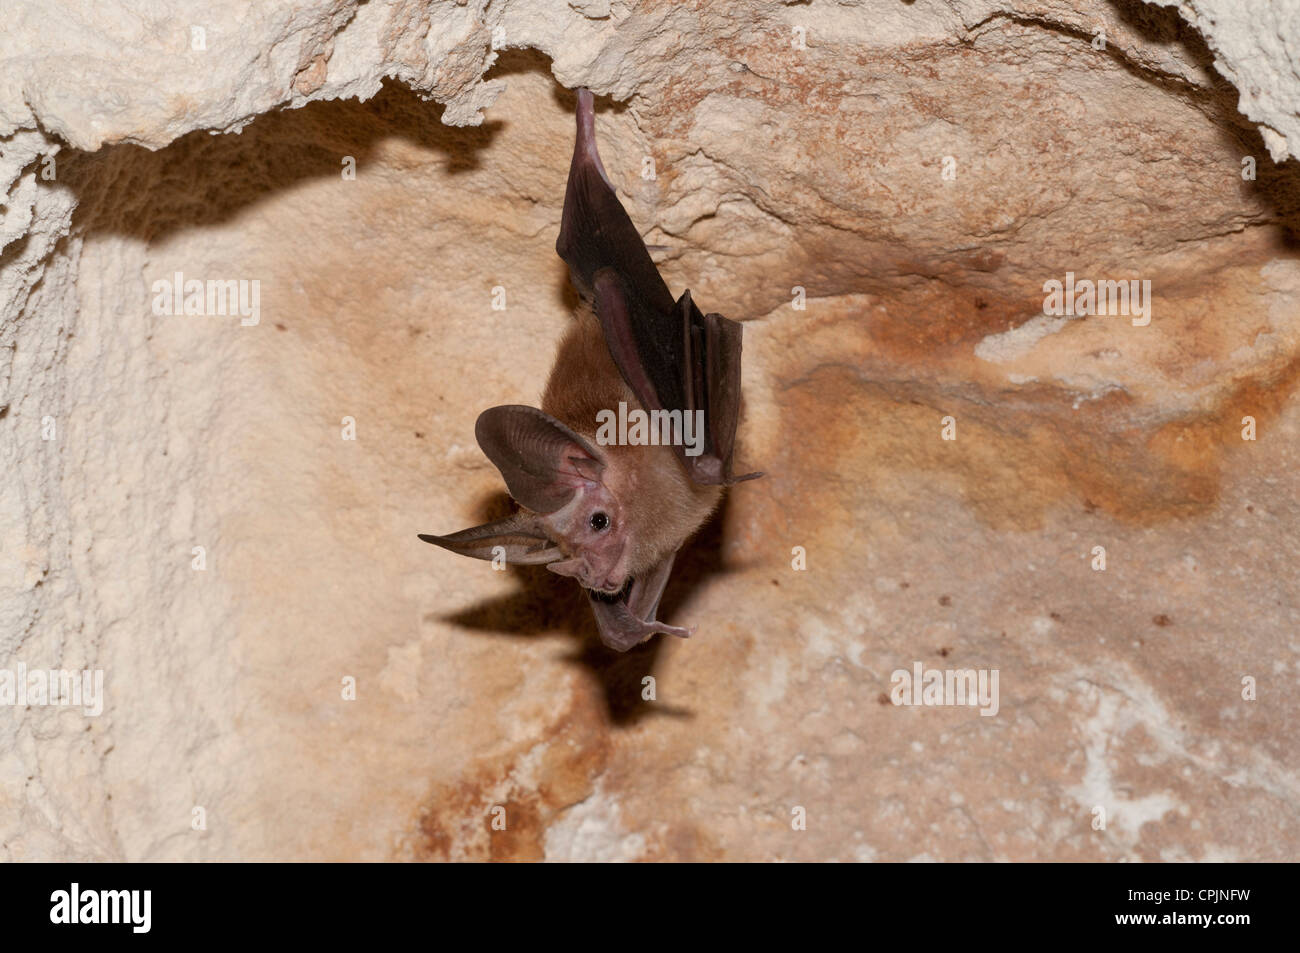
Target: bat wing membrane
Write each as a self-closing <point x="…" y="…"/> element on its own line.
<point x="672" y="356"/>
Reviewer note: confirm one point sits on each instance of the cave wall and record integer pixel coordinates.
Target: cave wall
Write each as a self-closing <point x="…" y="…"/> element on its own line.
<point x="127" y="155"/>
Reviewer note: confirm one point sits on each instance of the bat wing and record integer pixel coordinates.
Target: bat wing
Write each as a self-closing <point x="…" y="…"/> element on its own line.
<point x="673" y="357"/>
<point x="628" y="620"/>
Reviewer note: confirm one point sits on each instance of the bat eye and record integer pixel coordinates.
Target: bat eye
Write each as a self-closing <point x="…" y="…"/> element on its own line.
<point x="599" y="521"/>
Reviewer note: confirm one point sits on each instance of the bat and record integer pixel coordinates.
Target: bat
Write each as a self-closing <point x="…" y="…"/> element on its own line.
<point x="613" y="513"/>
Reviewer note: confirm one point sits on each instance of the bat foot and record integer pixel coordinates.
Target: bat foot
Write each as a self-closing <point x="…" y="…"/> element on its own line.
<point x="586" y="140"/>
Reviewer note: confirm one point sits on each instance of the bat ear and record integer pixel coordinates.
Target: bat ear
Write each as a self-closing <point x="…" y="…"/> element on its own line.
<point x="543" y="461"/>
<point x="520" y="536"/>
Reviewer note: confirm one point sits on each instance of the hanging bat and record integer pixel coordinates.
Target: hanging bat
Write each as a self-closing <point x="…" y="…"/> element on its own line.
<point x="613" y="515"/>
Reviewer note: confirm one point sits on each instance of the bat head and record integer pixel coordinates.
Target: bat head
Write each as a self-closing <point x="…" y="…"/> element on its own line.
<point x="573" y="521"/>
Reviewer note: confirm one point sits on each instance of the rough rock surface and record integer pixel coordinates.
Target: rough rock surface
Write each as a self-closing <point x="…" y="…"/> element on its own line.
<point x="918" y="169"/>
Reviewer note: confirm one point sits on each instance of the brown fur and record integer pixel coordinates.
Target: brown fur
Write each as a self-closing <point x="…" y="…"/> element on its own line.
<point x="662" y="505"/>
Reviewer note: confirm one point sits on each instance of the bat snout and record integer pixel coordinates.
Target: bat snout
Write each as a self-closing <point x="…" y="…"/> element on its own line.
<point x="614" y="588"/>
<point x="586" y="577"/>
<point x="605" y="586"/>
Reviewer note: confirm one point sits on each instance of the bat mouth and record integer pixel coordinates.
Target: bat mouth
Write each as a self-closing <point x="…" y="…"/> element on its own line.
<point x="612" y="595"/>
